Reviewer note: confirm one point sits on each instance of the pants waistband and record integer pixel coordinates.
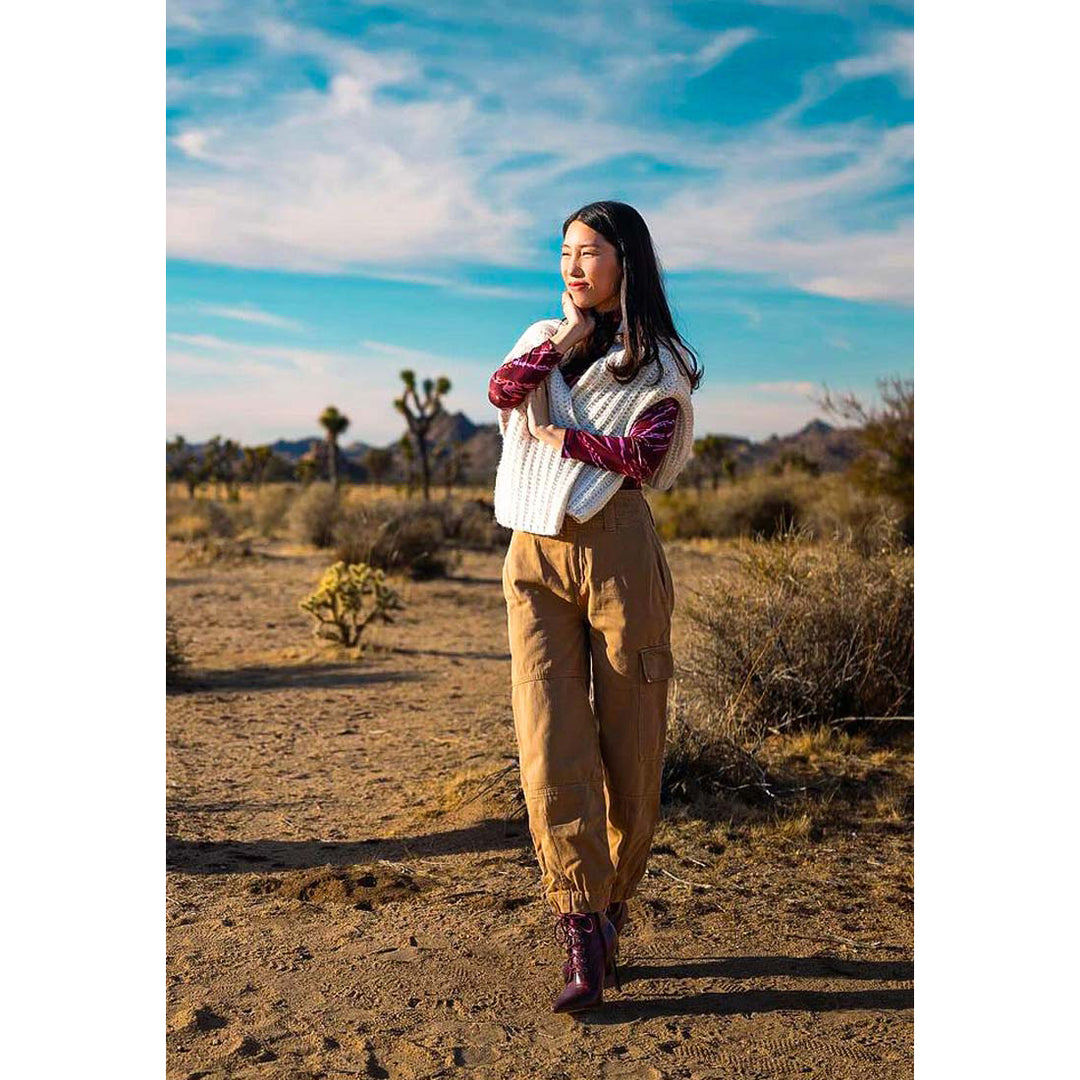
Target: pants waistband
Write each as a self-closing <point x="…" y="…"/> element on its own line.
<point x="624" y="507"/>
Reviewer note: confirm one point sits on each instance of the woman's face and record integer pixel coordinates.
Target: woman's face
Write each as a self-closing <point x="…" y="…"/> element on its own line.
<point x="590" y="268"/>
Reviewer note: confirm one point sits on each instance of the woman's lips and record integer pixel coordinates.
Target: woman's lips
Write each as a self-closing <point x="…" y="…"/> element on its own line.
<point x="579" y="285"/>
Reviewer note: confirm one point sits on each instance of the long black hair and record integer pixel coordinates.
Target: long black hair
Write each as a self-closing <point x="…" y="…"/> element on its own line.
<point x="646" y="317"/>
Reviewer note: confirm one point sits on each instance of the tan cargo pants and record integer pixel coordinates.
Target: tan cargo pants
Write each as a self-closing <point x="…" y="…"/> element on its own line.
<point x="595" y="599"/>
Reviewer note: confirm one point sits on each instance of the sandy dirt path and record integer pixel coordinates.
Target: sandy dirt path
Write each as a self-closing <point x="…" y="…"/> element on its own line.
<point x="329" y="914"/>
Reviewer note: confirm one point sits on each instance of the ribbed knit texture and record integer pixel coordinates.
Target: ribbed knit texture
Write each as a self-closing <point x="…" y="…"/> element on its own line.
<point x="535" y="486"/>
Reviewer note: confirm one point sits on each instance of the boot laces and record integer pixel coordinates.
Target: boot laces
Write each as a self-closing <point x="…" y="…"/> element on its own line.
<point x="572" y="929"/>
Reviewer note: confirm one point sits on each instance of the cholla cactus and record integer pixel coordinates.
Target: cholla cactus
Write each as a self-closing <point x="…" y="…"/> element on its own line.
<point x="338" y="604"/>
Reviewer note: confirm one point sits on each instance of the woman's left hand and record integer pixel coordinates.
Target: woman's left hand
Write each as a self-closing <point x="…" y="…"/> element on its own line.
<point x="538" y="415"/>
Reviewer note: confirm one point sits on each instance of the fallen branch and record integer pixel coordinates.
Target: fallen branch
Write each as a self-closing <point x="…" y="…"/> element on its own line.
<point x="850" y="942"/>
<point x="683" y="881"/>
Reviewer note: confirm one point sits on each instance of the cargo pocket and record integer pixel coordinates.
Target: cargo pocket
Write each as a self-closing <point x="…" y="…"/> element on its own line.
<point x="657" y="665"/>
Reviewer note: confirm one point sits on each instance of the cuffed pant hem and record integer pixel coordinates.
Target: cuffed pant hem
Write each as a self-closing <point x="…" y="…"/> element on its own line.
<point x="565" y="902"/>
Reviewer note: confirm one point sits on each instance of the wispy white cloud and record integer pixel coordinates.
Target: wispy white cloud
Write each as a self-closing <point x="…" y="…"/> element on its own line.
<point x="349" y="179"/>
<point x="250" y="314"/>
<point x="785" y="387"/>
<point x="690" y="62"/>
<point x="785" y="220"/>
<point x="455" y="285"/>
<point x="893" y="55"/>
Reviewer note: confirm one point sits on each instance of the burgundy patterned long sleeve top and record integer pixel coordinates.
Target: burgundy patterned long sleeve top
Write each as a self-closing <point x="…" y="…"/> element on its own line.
<point x="635" y="455"/>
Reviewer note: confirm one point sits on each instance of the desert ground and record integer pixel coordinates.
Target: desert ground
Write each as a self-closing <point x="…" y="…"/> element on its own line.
<point x="344" y="899"/>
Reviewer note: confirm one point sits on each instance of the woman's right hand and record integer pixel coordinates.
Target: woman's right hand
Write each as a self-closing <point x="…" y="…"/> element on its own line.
<point x="579" y="323"/>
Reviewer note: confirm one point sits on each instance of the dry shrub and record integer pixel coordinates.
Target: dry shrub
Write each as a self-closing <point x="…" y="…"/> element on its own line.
<point x="209" y="550"/>
<point x="764" y="505"/>
<point x="175" y="658"/>
<point x="314" y="515"/>
<point x="411" y="541"/>
<point x="802" y="633"/>
<point x="270" y="510"/>
<point x="868" y="523"/>
<point x="680" y="515"/>
<point x="197" y="519"/>
<point x="477" y="529"/>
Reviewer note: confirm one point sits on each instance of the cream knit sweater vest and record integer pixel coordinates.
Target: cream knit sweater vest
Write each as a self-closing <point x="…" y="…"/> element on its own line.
<point x="535" y="486"/>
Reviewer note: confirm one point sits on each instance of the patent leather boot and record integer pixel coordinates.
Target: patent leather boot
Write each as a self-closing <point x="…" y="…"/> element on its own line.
<point x="616" y="913"/>
<point x="590" y="943"/>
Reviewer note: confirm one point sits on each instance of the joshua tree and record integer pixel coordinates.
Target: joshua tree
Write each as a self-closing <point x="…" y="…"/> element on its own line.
<point x="183" y="464"/>
<point x="421" y="419"/>
<point x="213" y="469"/>
<point x="256" y="463"/>
<point x="378" y="463"/>
<point x="713" y="452"/>
<point x="335" y="423"/>
<point x="306" y="468"/>
<point x="230" y="451"/>
<point x="409" y="453"/>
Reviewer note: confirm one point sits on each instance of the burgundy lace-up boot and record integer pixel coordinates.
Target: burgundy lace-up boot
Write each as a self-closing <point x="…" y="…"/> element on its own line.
<point x="616" y="912"/>
<point x="590" y="943"/>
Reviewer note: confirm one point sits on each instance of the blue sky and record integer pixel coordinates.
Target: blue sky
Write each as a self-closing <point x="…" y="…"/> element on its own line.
<point x="356" y="188"/>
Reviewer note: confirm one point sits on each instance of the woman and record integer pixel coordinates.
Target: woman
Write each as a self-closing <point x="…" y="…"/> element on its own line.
<point x="587" y="586"/>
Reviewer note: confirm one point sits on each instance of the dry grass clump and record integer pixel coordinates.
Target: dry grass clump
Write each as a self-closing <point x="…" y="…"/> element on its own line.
<point x="766" y="506"/>
<point x="794" y="787"/>
<point x="474" y="527"/>
<point x="800" y="634"/>
<point x="314" y="514"/>
<point x="495" y="789"/>
<point x="270" y="510"/>
<point x="197" y="519"/>
<point x="212" y="550"/>
<point x="175" y="658"/>
<point x="412" y="540"/>
<point x="796" y="655"/>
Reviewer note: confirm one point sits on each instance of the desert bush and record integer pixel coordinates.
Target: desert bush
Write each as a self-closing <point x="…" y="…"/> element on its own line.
<point x="187" y="527"/>
<point x="196" y="519"/>
<point x="411" y="540"/>
<point x="758" y="505"/>
<point x="175" y="659"/>
<point x="801" y="633"/>
<point x="314" y="514"/>
<point x="271" y="509"/>
<point x="681" y="515"/>
<point x="841" y="511"/>
<point x="340" y="605"/>
<point x="221" y="522"/>
<point x="208" y="550"/>
<point x="477" y="528"/>
<point x="767" y="505"/>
